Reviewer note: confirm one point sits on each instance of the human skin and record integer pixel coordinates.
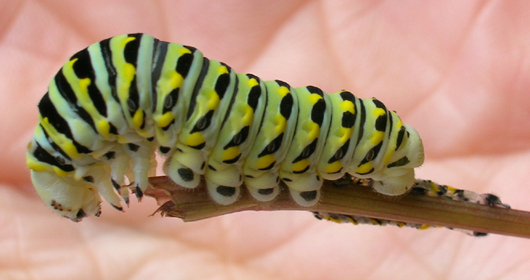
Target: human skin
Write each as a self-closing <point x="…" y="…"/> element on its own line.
<point x="458" y="71"/>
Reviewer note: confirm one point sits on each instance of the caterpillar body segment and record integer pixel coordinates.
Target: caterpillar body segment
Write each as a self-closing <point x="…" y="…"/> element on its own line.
<point x="117" y="102"/>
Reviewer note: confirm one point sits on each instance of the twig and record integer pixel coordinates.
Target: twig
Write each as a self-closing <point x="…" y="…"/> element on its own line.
<point x="193" y="205"/>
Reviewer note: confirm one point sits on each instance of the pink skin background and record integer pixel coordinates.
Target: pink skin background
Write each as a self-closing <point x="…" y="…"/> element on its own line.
<point x="458" y="71"/>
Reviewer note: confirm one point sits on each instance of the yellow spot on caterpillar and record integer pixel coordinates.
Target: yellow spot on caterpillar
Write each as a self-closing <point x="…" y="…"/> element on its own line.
<point x="183" y="51"/>
<point x="60" y="172"/>
<point x="333" y="167"/>
<point x="347" y="106"/>
<point x="283" y="91"/>
<point x="222" y="70"/>
<point x="213" y="99"/>
<point x="314" y="98"/>
<point x="34" y="165"/>
<point x="231" y="153"/>
<point x="175" y="81"/>
<point x="62" y="141"/>
<point x="346" y="134"/>
<point x="104" y="128"/>
<point x="452" y="189"/>
<point x="265" y="161"/>
<point x="301" y="165"/>
<point x="377" y="137"/>
<point x="83" y="84"/>
<point x="379" y="112"/>
<point x="365" y="168"/>
<point x="281" y="124"/>
<point x="400" y="224"/>
<point x="195" y="139"/>
<point x="434" y="187"/>
<point x="252" y="82"/>
<point x="165" y="119"/>
<point x="422" y="227"/>
<point x="313" y="131"/>
<point x="248" y="116"/>
<point x="138" y="118"/>
<point x="351" y="220"/>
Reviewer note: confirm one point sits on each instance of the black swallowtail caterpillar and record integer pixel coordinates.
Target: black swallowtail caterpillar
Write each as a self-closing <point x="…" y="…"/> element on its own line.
<point x="113" y="104"/>
<point x="422" y="187"/>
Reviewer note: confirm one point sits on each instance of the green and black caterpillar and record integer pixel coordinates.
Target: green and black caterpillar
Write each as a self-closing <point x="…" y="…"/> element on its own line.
<point x="114" y="104"/>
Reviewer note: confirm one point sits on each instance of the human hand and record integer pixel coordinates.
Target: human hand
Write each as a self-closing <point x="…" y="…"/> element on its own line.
<point x="456" y="72"/>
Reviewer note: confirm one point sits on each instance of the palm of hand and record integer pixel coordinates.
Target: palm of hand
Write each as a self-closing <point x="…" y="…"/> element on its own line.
<point x="465" y="82"/>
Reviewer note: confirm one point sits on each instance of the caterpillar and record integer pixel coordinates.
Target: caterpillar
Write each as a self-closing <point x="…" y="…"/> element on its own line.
<point x="113" y="105"/>
<point x="425" y="188"/>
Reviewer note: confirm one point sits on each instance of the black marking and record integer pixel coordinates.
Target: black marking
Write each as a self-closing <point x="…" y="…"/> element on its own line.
<point x="186" y="174"/>
<point x="116" y="185"/>
<point x="380" y="122"/>
<point x="309" y="195"/>
<point x="171" y="100"/>
<point x="232" y="100"/>
<point x="232" y="161"/>
<point x="340" y="153"/>
<point x="198" y="86"/>
<point x="203" y="164"/>
<point x="249" y="176"/>
<point x="88" y="179"/>
<point x="133" y="147"/>
<point x="254" y="93"/>
<point x="83" y="69"/>
<point x="222" y="83"/>
<point x="273" y="146"/>
<point x="287" y="179"/>
<point x="315" y="90"/>
<point x="211" y="167"/>
<point x="268" y="167"/>
<point x="286" y="106"/>
<point x="400" y="136"/>
<point x="54" y="146"/>
<point x="139" y="194"/>
<point x="203" y="123"/>
<point x="400" y="162"/>
<point x="226" y="191"/>
<point x="106" y="53"/>
<point x="150" y="139"/>
<point x="67" y="92"/>
<point x="185" y="61"/>
<point x="164" y="150"/>
<point x="130" y="53"/>
<point x="362" y="123"/>
<point x="318" y="111"/>
<point x="43" y="156"/>
<point x="307" y="151"/>
<point x="119" y="208"/>
<point x="198" y="147"/>
<point x="47" y="110"/>
<point x="80" y="214"/>
<point x="238" y="138"/>
<point x="110" y="155"/>
<point x="302" y="171"/>
<point x="113" y="129"/>
<point x="266" y="191"/>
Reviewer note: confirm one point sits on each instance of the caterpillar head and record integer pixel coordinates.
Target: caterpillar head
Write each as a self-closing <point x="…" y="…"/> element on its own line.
<point x="398" y="176"/>
<point x="70" y="198"/>
<point x="53" y="176"/>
